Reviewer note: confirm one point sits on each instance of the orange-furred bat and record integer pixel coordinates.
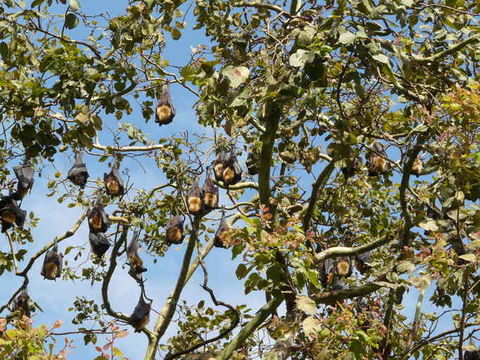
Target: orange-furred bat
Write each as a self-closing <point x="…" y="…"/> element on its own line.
<point x="222" y="235"/>
<point x="97" y="218"/>
<point x="52" y="264"/>
<point x="141" y="315"/>
<point x="165" y="111"/>
<point x="194" y="199"/>
<point x="113" y="182"/>
<point x="174" y="230"/>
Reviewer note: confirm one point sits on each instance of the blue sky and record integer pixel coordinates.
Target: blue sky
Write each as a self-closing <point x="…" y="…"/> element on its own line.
<point x="56" y="297"/>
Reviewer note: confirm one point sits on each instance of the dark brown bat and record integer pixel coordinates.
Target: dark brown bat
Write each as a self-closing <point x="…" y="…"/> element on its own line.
<point x="471" y="355"/>
<point x="22" y="303"/>
<point x="219" y="165"/>
<point x="222" y="235"/>
<point x="136" y="263"/>
<point x="52" y="264"/>
<point x="165" y="111"/>
<point x="10" y="213"/>
<point x="252" y="162"/>
<point x="232" y="173"/>
<point x="362" y="262"/>
<point x="25" y="176"/>
<point x="78" y="174"/>
<point x="194" y="199"/>
<point x="351" y="167"/>
<point x="210" y="194"/>
<point x="174" y="228"/>
<point x="113" y="182"/>
<point x="377" y="163"/>
<point x="141" y="315"/>
<point x="97" y="218"/>
<point x="99" y="243"/>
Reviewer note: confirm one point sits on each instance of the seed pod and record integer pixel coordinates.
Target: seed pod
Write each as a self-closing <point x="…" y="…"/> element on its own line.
<point x="97" y="218"/>
<point x="210" y="194"/>
<point x="174" y="228"/>
<point x="219" y="165"/>
<point x="113" y="182"/>
<point x="194" y="200"/>
<point x="22" y="303"/>
<point x="141" y="314"/>
<point x="52" y="264"/>
<point x="165" y="111"/>
<point x="136" y="263"/>
<point x="376" y="161"/>
<point x="232" y="173"/>
<point x="25" y="176"/>
<point x="78" y="174"/>
<point x="222" y="235"/>
<point x="99" y="243"/>
<point x="10" y="213"/>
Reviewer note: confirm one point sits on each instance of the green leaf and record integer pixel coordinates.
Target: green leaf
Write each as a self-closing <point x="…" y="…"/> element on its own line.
<point x="311" y="325"/>
<point x="347" y="38"/>
<point x="468" y="257"/>
<point x="381" y="58"/>
<point x="307" y="305"/>
<point x="74" y="5"/>
<point x="241" y="271"/>
<point x="236" y="75"/>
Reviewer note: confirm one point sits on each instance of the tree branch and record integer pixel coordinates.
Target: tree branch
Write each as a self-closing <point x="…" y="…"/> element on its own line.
<point x="57" y="240"/>
<point x="317" y="185"/>
<point x="250" y="327"/>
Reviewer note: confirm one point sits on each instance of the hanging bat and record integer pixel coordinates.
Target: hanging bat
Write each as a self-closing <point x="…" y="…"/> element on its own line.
<point x="343" y="265"/>
<point x="377" y="163"/>
<point x="10" y="213"/>
<point x="222" y="235"/>
<point x="232" y="173"/>
<point x="174" y="229"/>
<point x="362" y="262"/>
<point x="165" y="111"/>
<point x="113" y="182"/>
<point x="141" y="314"/>
<point x="210" y="194"/>
<point x="471" y="355"/>
<point x="136" y="263"/>
<point x="52" y="264"/>
<point x="78" y="174"/>
<point x="97" y="218"/>
<point x="252" y="162"/>
<point x="25" y="176"/>
<point x="21" y="304"/>
<point x="327" y="272"/>
<point x="98" y="243"/>
<point x="351" y="167"/>
<point x="194" y="199"/>
<point x="219" y="165"/>
<point x="417" y="167"/>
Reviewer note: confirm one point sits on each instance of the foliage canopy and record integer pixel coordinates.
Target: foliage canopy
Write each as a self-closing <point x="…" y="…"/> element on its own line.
<point x="355" y="123"/>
